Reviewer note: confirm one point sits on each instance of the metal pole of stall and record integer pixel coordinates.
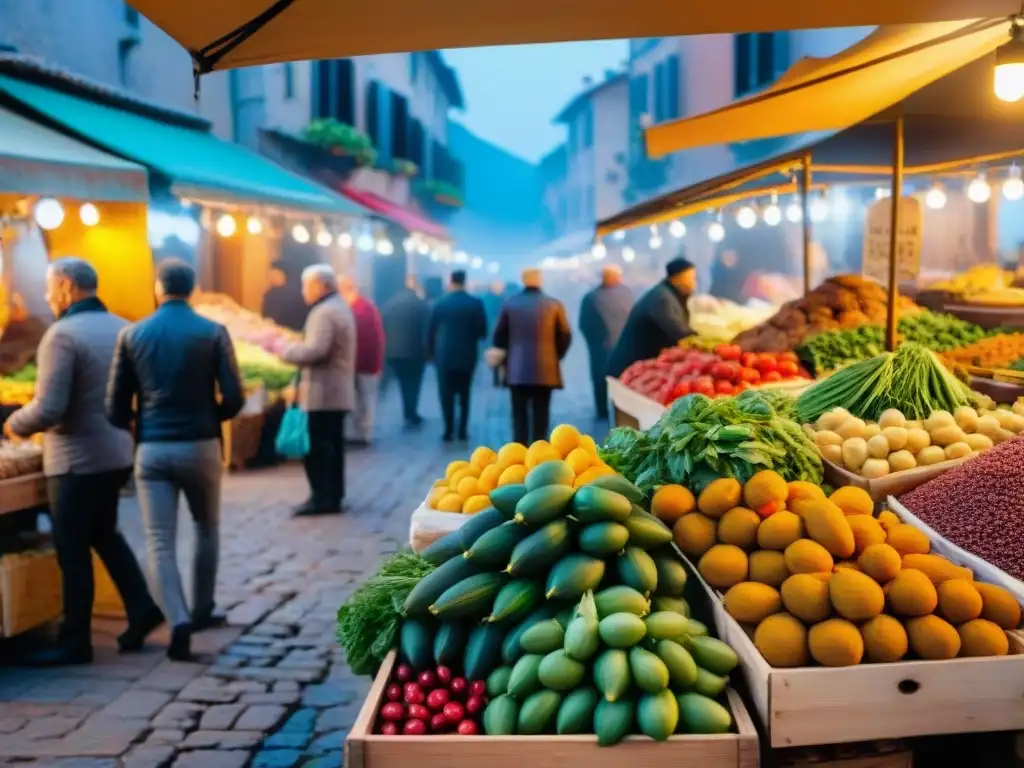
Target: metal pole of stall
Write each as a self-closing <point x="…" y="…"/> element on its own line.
<point x="894" y="224"/>
<point x="805" y="217"/>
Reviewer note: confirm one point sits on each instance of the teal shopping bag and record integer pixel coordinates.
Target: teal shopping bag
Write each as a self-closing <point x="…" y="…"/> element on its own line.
<point x="292" y="439"/>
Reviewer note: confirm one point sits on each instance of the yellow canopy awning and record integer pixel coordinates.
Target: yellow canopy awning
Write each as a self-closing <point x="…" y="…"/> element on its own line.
<point x="829" y="94"/>
<point x="238" y="33"/>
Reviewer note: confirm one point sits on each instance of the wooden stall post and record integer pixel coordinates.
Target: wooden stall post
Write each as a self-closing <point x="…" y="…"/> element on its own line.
<point x="805" y="217"/>
<point x="894" y="232"/>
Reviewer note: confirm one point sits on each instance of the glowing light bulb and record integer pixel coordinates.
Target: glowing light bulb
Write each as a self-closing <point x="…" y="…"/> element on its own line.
<point x="89" y="215"/>
<point x="364" y="242"/>
<point x="1013" y="187"/>
<point x="408" y="244"/>
<point x="300" y="234"/>
<point x="746" y="217"/>
<point x="772" y="215"/>
<point x="599" y="251"/>
<point x="476" y="263"/>
<point x="935" y="198"/>
<point x="1008" y="79"/>
<point x="655" y="242"/>
<point x="677" y="229"/>
<point x="345" y="239"/>
<point x="226" y="225"/>
<point x="794" y="212"/>
<point x="619" y="234"/>
<point x="254" y="225"/>
<point x="882" y="192"/>
<point x="49" y="213"/>
<point x="385" y="247"/>
<point x="628" y="255"/>
<point x="819" y="209"/>
<point x="324" y="238"/>
<point x="716" y="232"/>
<point x="979" y="191"/>
<point x="841" y="205"/>
<point x="494" y="267"/>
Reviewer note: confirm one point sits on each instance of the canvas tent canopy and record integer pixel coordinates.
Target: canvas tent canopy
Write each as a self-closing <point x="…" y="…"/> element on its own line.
<point x="238" y="33"/>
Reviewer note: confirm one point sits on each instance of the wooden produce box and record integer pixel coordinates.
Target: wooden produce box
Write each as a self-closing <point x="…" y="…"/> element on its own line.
<point x="640" y="408"/>
<point x="894" y="484"/>
<point x="809" y="706"/>
<point x="1001" y="391"/>
<point x="241" y="438"/>
<point x="988" y="316"/>
<point x="366" y="749"/>
<point x="24" y="492"/>
<point x="30" y="591"/>
<point x="872" y="754"/>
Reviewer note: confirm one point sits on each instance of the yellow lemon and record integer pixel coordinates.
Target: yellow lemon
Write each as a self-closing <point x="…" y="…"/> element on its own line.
<point x="564" y="438"/>
<point x="474" y="504"/>
<point x="540" y="452"/>
<point x="442" y="483"/>
<point x="587" y="444"/>
<point x="482" y="456"/>
<point x="450" y="502"/>
<point x="462" y="474"/>
<point x="435" y="496"/>
<point x="468" y="486"/>
<point x="513" y="475"/>
<point x="511" y="453"/>
<point x="488" y="479"/>
<point x="454" y="467"/>
<point x="579" y="460"/>
<point x="586" y="477"/>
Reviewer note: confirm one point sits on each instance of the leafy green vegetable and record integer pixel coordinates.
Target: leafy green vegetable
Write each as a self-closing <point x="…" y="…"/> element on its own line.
<point x="368" y="621"/>
<point x="699" y="440"/>
<point x="911" y="379"/>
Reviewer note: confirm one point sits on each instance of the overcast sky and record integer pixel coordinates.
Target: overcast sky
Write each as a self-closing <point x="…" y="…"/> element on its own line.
<point x="513" y="92"/>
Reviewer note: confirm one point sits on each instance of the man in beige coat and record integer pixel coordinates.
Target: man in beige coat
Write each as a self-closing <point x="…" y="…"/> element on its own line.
<point x="327" y="361"/>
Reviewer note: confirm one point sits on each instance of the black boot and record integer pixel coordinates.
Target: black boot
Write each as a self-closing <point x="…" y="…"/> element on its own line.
<point x="60" y="655"/>
<point x="212" y="621"/>
<point x="133" y="638"/>
<point x="180" y="648"/>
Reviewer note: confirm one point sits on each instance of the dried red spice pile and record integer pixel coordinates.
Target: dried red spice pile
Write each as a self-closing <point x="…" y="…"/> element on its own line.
<point x="979" y="506"/>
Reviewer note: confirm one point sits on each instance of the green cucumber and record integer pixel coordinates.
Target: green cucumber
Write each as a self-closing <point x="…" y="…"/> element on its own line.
<point x="536" y="553"/>
<point x="682" y="669"/>
<point x="515" y="600"/>
<point x="613" y="721"/>
<point x="573" y="576"/>
<point x="637" y="569"/>
<point x="712" y="654"/>
<point x="478" y="525"/>
<point x="500" y="716"/>
<point x="592" y="504"/>
<point x="703" y="715"/>
<point x="414" y="642"/>
<point x="622" y="630"/>
<point x="676" y="604"/>
<point x="619" y="484"/>
<point x="505" y="498"/>
<point x="472" y="597"/>
<point x="524" y="680"/>
<point x="511" y="647"/>
<point x="441" y="550"/>
<point x="549" y="473"/>
<point x="582" y="636"/>
<point x="537" y="712"/>
<point x="434" y="584"/>
<point x="603" y="539"/>
<point x="621" y="599"/>
<point x="576" y="715"/>
<point x="709" y="684"/>
<point x="483" y="651"/>
<point x="560" y="673"/>
<point x="543" y="505"/>
<point x="666" y="625"/>
<point x="497" y="681"/>
<point x="493" y="549"/>
<point x="646" y="531"/>
<point x="543" y="637"/>
<point x="450" y="642"/>
<point x="648" y="671"/>
<point x="611" y="674"/>
<point x="671" y="575"/>
<point x="657" y="714"/>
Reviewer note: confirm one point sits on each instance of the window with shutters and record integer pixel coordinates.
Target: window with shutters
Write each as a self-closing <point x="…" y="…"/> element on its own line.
<point x="289" y="81"/>
<point x="416" y="141"/>
<point x="659" y="92"/>
<point x="672" y="95"/>
<point x="333" y="90"/>
<point x="371" y="112"/>
<point x="758" y="60"/>
<point x="400" y="127"/>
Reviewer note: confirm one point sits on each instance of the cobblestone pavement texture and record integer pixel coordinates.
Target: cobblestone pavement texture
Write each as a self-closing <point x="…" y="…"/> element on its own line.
<point x="278" y="692"/>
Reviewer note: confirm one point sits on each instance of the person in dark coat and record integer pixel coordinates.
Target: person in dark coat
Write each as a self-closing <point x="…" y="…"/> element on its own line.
<point x="603" y="314"/>
<point x="659" y="320"/>
<point x="534" y="332"/>
<point x="493" y="300"/>
<point x="457" y="324"/>
<point x="283" y="302"/>
<point x="406" y="317"/>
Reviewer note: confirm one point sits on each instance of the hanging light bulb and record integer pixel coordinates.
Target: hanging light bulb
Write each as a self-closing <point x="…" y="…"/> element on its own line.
<point x="716" y="232"/>
<point x="226" y="225"/>
<point x="772" y="214"/>
<point x="49" y="213"/>
<point x="628" y="255"/>
<point x="254" y="225"/>
<point x="494" y="267"/>
<point x="935" y="198"/>
<point x="345" y="239"/>
<point x="324" y="238"/>
<point x="461" y="257"/>
<point x="677" y="229"/>
<point x="385" y="247"/>
<point x="1008" y="80"/>
<point x="300" y="234"/>
<point x="819" y="209"/>
<point x="655" y="241"/>
<point x="746" y="217"/>
<point x="882" y="192"/>
<point x="794" y="211"/>
<point x="365" y="242"/>
<point x="408" y="244"/>
<point x="979" y="191"/>
<point x="476" y="263"/>
<point x="619" y="234"/>
<point x="841" y="205"/>
<point x="89" y="215"/>
<point x="424" y="248"/>
<point x="599" y="251"/>
<point x="1013" y="187"/>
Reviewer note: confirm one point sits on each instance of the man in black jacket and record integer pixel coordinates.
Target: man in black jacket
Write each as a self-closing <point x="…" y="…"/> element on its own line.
<point x="659" y="320"/>
<point x="166" y="375"/>
<point x="406" y="318"/>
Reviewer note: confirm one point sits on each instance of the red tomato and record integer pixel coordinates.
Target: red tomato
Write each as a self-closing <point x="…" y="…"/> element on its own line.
<point x="728" y="351"/>
<point x="723" y="387"/>
<point x="788" y="356"/>
<point x="771" y="376"/>
<point x="765" y="366"/>
<point x="750" y="375"/>
<point x="788" y="369"/>
<point x="704" y="385"/>
<point x="682" y="389"/>
<point x="749" y="360"/>
<point x="392" y="711"/>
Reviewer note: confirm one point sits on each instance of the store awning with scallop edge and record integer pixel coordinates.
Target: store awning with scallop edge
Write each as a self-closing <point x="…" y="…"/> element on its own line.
<point x="408" y="219"/>
<point x="35" y="160"/>
<point x="833" y="93"/>
<point x="240" y="33"/>
<point x="195" y="164"/>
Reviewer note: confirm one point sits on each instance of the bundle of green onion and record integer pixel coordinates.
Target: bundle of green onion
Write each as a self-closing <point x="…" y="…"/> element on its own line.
<point x="911" y="379"/>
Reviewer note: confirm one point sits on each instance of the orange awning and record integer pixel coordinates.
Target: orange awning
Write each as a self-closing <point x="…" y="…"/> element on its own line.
<point x="238" y="33"/>
<point x="830" y="94"/>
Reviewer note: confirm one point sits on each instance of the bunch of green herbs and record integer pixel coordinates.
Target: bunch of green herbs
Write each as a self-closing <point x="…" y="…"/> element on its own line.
<point x="368" y="621"/>
<point x="699" y="440"/>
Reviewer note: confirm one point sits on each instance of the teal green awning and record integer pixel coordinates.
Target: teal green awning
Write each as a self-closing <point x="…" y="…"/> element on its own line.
<point x="37" y="161"/>
<point x="195" y="163"/>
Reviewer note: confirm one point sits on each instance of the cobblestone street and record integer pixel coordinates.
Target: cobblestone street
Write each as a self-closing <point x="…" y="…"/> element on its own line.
<point x="278" y="692"/>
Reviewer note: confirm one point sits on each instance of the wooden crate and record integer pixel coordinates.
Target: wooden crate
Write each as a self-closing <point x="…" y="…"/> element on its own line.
<point x="809" y="706"/>
<point x="872" y="754"/>
<point x="242" y="439"/>
<point x="25" y="492"/>
<point x="895" y="484"/>
<point x="365" y="749"/>
<point x="30" y="591"/>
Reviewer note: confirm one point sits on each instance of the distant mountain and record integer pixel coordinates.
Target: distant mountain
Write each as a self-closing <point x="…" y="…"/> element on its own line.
<point x="502" y="215"/>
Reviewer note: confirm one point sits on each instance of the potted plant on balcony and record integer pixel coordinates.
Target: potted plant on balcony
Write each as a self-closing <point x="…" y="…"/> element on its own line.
<point x="441" y="192"/>
<point x="402" y="167"/>
<point x="341" y="139"/>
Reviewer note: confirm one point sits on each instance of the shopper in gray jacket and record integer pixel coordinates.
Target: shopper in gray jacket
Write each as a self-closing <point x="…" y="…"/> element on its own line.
<point x="87" y="461"/>
<point x="327" y="360"/>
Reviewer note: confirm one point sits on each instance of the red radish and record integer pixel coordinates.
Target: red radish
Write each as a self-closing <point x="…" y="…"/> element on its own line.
<point x="439" y="723"/>
<point x="458" y="687"/>
<point x="419" y="712"/>
<point x="414" y="728"/>
<point x="392" y="711"/>
<point x="404" y="673"/>
<point x="438" y="698"/>
<point x="393" y="692"/>
<point x="413" y="694"/>
<point x="474" y="705"/>
<point x="427" y="679"/>
<point x="444" y="675"/>
<point x="454" y="712"/>
<point x="389" y="729"/>
<point x="478" y="688"/>
<point x="467" y="728"/>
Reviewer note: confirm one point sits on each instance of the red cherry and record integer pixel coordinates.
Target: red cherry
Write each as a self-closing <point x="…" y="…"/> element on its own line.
<point x="389" y="729"/>
<point x="404" y="673"/>
<point x="458" y="687"/>
<point x="439" y="723"/>
<point x="454" y="712"/>
<point x="414" y="728"/>
<point x="419" y="712"/>
<point x="427" y="679"/>
<point x="393" y="692"/>
<point x="413" y="694"/>
<point x="444" y="675"/>
<point x="438" y="698"/>
<point x="467" y="728"/>
<point x="474" y="705"/>
<point x="477" y="688"/>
